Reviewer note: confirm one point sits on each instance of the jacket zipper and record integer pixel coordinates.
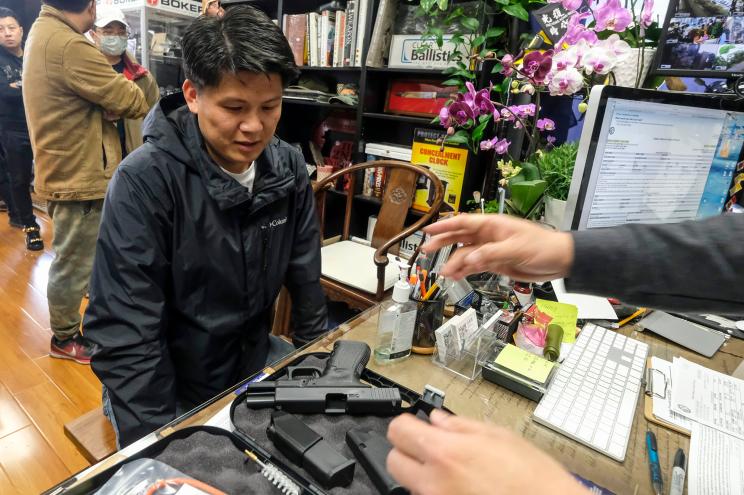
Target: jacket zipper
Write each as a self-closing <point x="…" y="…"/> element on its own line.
<point x="265" y="243"/>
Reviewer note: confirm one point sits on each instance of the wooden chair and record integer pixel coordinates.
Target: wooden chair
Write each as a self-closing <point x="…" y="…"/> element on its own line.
<point x="361" y="275"/>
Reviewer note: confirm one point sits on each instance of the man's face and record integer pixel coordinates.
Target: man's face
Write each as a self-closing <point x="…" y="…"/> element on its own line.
<point x="214" y="8"/>
<point x="11" y="33"/>
<point x="238" y="118"/>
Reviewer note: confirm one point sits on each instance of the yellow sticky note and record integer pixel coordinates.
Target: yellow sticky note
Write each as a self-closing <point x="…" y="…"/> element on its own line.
<point x="525" y="363"/>
<point x="564" y="315"/>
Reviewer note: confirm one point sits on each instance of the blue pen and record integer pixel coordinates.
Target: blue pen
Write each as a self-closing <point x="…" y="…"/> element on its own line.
<point x="653" y="463"/>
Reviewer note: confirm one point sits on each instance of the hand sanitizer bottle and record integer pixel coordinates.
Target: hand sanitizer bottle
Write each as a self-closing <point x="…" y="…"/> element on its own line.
<point x="396" y="322"/>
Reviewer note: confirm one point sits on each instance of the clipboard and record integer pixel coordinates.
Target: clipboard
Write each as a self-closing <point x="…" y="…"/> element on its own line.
<point x="648" y="403"/>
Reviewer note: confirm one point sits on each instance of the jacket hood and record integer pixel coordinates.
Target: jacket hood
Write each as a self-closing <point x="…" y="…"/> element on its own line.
<point x="174" y="130"/>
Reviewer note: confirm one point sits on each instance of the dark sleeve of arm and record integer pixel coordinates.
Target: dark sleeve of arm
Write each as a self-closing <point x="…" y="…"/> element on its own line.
<point x="126" y="317"/>
<point x="687" y="267"/>
<point x="309" y="312"/>
<point x="7" y="92"/>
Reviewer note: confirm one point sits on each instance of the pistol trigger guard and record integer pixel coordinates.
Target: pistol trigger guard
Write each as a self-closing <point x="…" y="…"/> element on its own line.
<point x="298" y="372"/>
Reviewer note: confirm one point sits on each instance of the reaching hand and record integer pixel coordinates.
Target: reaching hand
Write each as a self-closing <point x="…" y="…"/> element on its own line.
<point x="517" y="248"/>
<point x="458" y="455"/>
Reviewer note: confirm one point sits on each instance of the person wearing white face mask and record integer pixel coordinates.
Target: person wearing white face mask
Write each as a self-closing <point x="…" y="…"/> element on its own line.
<point x="110" y="36"/>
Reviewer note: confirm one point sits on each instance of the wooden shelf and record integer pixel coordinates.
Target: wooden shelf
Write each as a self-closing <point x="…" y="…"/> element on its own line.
<point x="428" y="72"/>
<point x="309" y="68"/>
<point x="400" y="118"/>
<point x="339" y="106"/>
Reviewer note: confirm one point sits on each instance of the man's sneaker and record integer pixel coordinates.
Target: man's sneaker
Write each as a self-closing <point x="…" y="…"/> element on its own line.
<point x="34" y="242"/>
<point x="76" y="348"/>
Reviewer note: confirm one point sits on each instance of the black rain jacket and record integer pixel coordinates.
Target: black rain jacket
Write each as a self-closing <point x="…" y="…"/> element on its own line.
<point x="187" y="267"/>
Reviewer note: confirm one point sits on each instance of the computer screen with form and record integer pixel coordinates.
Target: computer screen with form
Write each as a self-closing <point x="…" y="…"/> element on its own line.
<point x="655" y="162"/>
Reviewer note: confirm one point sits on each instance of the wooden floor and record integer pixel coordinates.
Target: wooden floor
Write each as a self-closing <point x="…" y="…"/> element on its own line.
<point x="38" y="394"/>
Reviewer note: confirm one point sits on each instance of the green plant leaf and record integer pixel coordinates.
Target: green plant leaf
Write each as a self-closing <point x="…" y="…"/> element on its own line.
<point x="484" y="118"/>
<point x="427" y="4"/>
<point x="457" y="138"/>
<point x="478" y="41"/>
<point x="494" y="32"/>
<point x="516" y="10"/>
<point x="497" y="68"/>
<point x="530" y="171"/>
<point x="525" y="194"/>
<point x="478" y="132"/>
<point x="457" y="39"/>
<point x="470" y="23"/>
<point x="452" y="82"/>
<point x="442" y="4"/>
<point x="464" y="73"/>
<point x="503" y="2"/>
<point x="449" y="71"/>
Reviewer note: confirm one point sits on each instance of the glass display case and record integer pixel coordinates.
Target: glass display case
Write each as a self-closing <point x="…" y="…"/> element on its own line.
<point x="156" y="28"/>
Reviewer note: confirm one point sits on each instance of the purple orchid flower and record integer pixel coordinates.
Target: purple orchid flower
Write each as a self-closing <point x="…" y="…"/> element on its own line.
<point x="550" y="139"/>
<point x="536" y="65"/>
<point x="577" y="31"/>
<point x="469" y="97"/>
<point x="611" y="15"/>
<point x="647" y="13"/>
<point x="527" y="110"/>
<point x="545" y="124"/>
<point x="507" y="61"/>
<point x="461" y="112"/>
<point x="500" y="146"/>
<point x="444" y="117"/>
<point x="483" y="102"/>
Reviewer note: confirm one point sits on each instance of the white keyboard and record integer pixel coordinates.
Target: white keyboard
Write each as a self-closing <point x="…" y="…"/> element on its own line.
<point x="592" y="398"/>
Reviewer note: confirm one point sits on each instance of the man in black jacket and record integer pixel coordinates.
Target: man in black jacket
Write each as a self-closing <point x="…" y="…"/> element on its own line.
<point x="14" y="132"/>
<point x="201" y="227"/>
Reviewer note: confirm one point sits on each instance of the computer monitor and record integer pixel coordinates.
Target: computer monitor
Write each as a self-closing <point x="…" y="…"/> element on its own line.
<point x="702" y="38"/>
<point x="653" y="157"/>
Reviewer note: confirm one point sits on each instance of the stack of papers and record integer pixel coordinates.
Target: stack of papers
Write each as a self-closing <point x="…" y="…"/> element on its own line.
<point x="713" y="403"/>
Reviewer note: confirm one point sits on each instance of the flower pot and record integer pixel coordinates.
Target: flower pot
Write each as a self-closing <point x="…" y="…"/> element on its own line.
<point x="626" y="72"/>
<point x="555" y="210"/>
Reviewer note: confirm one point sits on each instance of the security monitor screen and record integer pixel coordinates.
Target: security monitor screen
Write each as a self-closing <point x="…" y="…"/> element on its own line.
<point x="704" y="36"/>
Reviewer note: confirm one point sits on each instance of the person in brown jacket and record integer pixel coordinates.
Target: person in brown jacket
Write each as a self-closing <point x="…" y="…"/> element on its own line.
<point x="110" y="36"/>
<point x="73" y="97"/>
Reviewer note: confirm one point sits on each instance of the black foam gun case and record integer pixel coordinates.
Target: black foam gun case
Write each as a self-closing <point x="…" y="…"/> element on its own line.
<point x="217" y="456"/>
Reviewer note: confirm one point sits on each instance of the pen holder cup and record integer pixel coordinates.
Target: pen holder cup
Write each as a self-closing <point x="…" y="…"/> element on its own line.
<point x="429" y="317"/>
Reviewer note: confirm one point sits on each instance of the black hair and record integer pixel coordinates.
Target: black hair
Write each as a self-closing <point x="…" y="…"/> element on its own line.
<point x="75" y="6"/>
<point x="244" y="39"/>
<point x="6" y="12"/>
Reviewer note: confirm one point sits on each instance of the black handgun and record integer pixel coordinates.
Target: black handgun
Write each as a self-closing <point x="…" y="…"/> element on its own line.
<point x="335" y="390"/>
<point x="371" y="450"/>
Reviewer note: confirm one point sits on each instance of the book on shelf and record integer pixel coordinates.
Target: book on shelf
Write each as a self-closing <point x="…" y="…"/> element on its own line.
<point x="382" y="31"/>
<point x="328" y="38"/>
<point x="313" y="38"/>
<point x="360" y="27"/>
<point x="295" y="27"/>
<point x="374" y="178"/>
<point x="338" y="43"/>
<point x="350" y="34"/>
